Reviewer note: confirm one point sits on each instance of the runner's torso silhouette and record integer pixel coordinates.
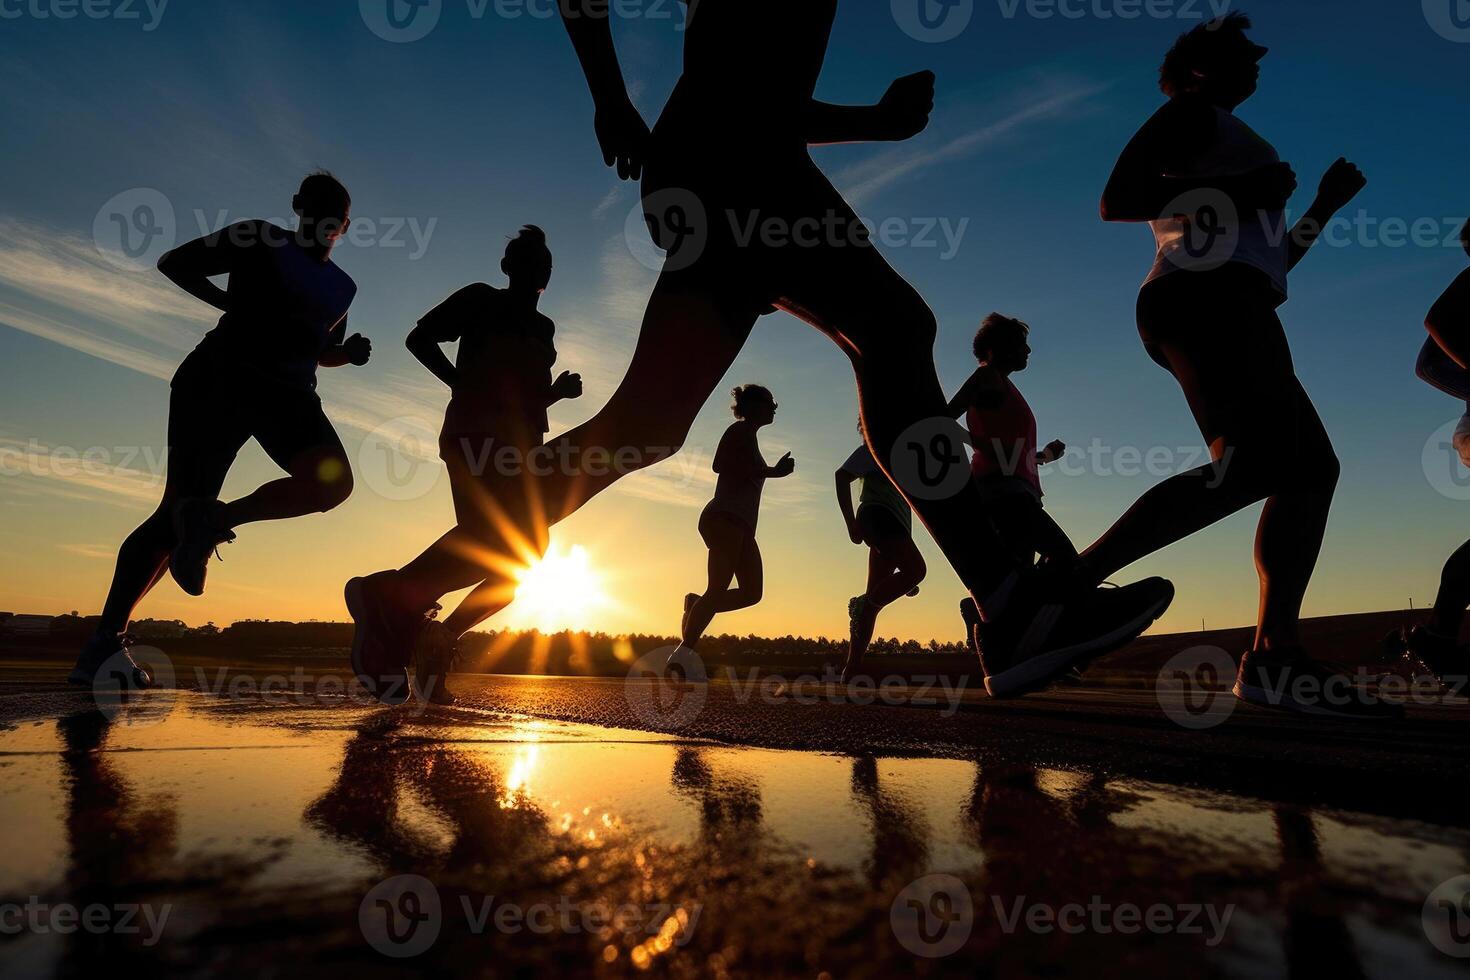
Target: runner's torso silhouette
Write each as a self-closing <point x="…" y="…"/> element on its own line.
<point x="1255" y="239"/>
<point x="1004" y="438"/>
<point x="505" y="360"/>
<point x="741" y="478"/>
<point x="287" y="306"/>
<point x="746" y="85"/>
<point x="876" y="490"/>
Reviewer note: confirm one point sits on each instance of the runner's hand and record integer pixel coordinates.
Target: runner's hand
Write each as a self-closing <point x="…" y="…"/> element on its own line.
<point x="1342" y="182"/>
<point x="1054" y="451"/>
<point x="567" y="386"/>
<point x="358" y="349"/>
<point x="785" y="466"/>
<point x="623" y="136"/>
<point x="906" y="106"/>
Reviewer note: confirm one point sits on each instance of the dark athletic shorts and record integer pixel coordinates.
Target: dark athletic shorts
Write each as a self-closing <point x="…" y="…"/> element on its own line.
<point x="1232" y="307"/>
<point x="879" y="525"/>
<point x="717" y="528"/>
<point x="215" y="409"/>
<point x="1017" y="516"/>
<point x="1436" y="368"/>
<point x="1218" y="333"/>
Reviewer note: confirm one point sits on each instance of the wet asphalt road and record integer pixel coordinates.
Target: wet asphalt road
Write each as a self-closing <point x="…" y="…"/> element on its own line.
<point x="1398" y="768"/>
<point x="744" y="832"/>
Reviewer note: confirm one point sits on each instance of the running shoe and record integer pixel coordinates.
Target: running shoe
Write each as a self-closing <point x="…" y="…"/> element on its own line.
<point x="199" y="531"/>
<point x="970" y="613"/>
<point x="1427" y="653"/>
<point x="434" y="658"/>
<point x="103" y="647"/>
<point x="1047" y="630"/>
<point x="855" y="607"/>
<point x="384" y="635"/>
<point x="1289" y="680"/>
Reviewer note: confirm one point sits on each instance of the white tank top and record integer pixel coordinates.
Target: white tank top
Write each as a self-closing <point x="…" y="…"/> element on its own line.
<point x="1257" y="239"/>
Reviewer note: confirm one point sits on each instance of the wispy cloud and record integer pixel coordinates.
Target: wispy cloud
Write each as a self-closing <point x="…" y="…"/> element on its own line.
<point x="68" y="333"/>
<point x="77" y="475"/>
<point x="597" y="341"/>
<point x="671" y="483"/>
<point x="74" y="297"/>
<point x="69" y="270"/>
<point x="616" y="194"/>
<point x="861" y="182"/>
<point x="90" y="551"/>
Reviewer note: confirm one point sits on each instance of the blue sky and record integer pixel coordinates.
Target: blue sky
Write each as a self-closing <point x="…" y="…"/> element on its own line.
<point x="485" y="124"/>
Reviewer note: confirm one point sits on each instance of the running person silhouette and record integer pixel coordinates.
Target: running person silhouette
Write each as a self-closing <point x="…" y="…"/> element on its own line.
<point x="1434" y="649"/>
<point x="1002" y="428"/>
<point x="1006" y="462"/>
<point x="750" y="224"/>
<point x="253" y="375"/>
<point x="1215" y="194"/>
<point x="728" y="522"/>
<point x="885" y="523"/>
<point x="501" y="387"/>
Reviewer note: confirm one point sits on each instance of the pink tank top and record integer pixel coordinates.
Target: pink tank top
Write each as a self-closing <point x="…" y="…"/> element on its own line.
<point x="1004" y="438"/>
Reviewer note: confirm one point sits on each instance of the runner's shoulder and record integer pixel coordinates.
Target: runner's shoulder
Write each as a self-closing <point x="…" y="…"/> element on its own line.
<point x="251" y="232"/>
<point x="477" y="300"/>
<point x="1185" y="119"/>
<point x="344" y="282"/>
<point x="861" y="463"/>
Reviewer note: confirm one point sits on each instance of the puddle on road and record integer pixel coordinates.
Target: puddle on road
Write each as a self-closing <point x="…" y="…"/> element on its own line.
<point x="266" y="831"/>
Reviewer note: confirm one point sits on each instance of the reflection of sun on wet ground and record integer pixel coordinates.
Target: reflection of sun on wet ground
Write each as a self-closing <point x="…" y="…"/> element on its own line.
<point x="267" y="828"/>
<point x="518" y="776"/>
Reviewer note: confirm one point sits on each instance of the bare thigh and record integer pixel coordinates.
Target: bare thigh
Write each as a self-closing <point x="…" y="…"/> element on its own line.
<point x="850" y="292"/>
<point x="1233" y="362"/>
<point x="726" y="540"/>
<point x="749" y="569"/>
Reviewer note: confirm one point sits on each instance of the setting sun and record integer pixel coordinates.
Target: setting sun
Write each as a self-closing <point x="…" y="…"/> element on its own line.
<point x="561" y="591"/>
